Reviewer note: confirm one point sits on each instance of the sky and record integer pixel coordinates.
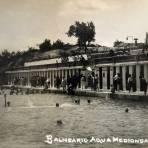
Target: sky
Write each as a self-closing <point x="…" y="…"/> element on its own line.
<point x="26" y="23"/>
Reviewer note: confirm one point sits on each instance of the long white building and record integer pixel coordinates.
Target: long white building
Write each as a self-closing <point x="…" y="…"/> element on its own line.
<point x="105" y="65"/>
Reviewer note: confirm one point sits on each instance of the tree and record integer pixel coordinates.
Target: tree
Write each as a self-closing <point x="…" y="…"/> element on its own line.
<point x="5" y="57"/>
<point x="6" y="54"/>
<point x="84" y="32"/>
<point x="58" y="44"/>
<point x="31" y="50"/>
<point x="117" y="43"/>
<point x="64" y="56"/>
<point x="111" y="53"/>
<point x="45" y="46"/>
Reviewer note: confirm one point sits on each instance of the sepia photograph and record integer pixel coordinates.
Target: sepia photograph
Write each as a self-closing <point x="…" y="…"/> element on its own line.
<point x="73" y="74"/>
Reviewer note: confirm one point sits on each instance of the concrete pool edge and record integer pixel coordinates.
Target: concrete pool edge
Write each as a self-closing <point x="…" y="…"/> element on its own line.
<point x="88" y="93"/>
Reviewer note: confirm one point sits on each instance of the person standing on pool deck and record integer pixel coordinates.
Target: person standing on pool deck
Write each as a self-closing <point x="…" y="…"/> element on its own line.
<point x="115" y="82"/>
<point x="83" y="82"/>
<point x="130" y="82"/>
<point x="144" y="85"/>
<point x="64" y="83"/>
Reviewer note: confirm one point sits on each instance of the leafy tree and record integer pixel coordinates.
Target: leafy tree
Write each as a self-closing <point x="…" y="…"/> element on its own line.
<point x="58" y="44"/>
<point x="111" y="53"/>
<point x="84" y="32"/>
<point x="64" y="56"/>
<point x="5" y="57"/>
<point x="6" y="54"/>
<point x="12" y="54"/>
<point x="31" y="49"/>
<point x="117" y="43"/>
<point x="45" y="46"/>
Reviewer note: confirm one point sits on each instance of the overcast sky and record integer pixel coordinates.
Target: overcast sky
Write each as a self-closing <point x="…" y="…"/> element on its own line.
<point x="26" y="23"/>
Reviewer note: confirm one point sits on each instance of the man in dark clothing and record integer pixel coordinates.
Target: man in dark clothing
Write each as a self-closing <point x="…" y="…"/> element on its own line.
<point x="144" y="85"/>
<point x="58" y="82"/>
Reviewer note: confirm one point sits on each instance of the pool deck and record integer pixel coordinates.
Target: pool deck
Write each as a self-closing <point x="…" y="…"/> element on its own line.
<point x="124" y="95"/>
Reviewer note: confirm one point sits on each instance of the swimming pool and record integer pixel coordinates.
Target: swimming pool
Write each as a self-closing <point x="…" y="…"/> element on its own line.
<point x="32" y="117"/>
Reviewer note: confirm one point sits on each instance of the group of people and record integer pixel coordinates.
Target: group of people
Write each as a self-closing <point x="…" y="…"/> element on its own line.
<point x="143" y="83"/>
<point x="117" y="82"/>
<point x="69" y="84"/>
<point x="38" y="81"/>
<point x="131" y="83"/>
<point x="19" y="81"/>
<point x="92" y="81"/>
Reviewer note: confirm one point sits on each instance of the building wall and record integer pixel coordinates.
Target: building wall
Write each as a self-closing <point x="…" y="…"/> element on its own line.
<point x="105" y="72"/>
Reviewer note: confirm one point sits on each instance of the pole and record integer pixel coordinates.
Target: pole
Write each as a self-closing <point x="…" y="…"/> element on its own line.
<point x="132" y="37"/>
<point x="5" y="97"/>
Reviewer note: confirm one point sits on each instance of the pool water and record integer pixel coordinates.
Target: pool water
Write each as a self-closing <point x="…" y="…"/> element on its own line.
<point x="30" y="118"/>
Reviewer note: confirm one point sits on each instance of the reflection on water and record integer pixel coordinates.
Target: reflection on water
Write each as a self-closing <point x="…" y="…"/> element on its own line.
<point x="31" y="117"/>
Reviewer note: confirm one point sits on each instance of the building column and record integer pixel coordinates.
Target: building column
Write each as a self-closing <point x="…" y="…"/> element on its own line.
<point x="77" y="71"/>
<point x="51" y="84"/>
<point x="131" y="69"/>
<point x="26" y="82"/>
<point x="9" y="78"/>
<point x="44" y="74"/>
<point x="73" y="72"/>
<point x="24" y="77"/>
<point x="70" y="73"/>
<point x="77" y="74"/>
<point x="47" y="74"/>
<point x="29" y="78"/>
<point x="111" y="75"/>
<point x="124" y="77"/>
<point x="39" y="73"/>
<point x="53" y="79"/>
<point x="58" y="73"/>
<point x="62" y="73"/>
<point x="104" y="73"/>
<point x="66" y="74"/>
<point x="12" y="78"/>
<point x="29" y="84"/>
<point x="20" y="76"/>
<point x="49" y="78"/>
<point x="137" y="77"/>
<point x="117" y="69"/>
<point x="97" y="72"/>
<point x="146" y="72"/>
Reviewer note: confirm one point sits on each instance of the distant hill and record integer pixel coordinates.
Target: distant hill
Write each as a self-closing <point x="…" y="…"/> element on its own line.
<point x="54" y="53"/>
<point x="11" y="60"/>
